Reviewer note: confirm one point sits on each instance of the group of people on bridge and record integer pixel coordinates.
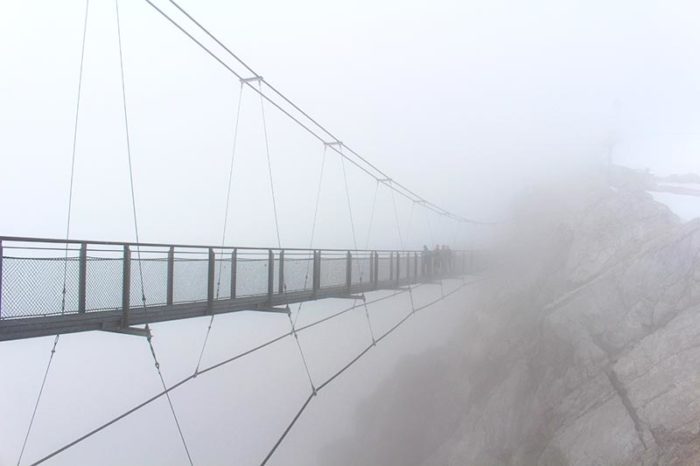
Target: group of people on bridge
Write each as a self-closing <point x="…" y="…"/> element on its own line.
<point x="438" y="262"/>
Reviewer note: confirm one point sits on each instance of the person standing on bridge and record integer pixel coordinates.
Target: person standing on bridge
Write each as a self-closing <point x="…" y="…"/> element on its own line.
<point x="448" y="258"/>
<point x="437" y="260"/>
<point x="426" y="268"/>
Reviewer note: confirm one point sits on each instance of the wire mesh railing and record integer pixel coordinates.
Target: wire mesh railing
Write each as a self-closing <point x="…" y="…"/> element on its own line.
<point x="46" y="277"/>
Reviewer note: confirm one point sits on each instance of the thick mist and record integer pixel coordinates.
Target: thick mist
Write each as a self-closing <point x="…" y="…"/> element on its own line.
<point x="556" y="122"/>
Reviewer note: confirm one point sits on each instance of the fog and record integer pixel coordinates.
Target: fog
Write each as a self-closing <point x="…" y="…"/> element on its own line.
<point x="497" y="111"/>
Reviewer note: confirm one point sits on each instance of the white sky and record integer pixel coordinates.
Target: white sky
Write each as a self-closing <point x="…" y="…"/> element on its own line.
<point x="464" y="102"/>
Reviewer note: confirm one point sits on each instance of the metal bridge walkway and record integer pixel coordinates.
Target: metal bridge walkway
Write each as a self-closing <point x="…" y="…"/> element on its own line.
<point x="103" y="281"/>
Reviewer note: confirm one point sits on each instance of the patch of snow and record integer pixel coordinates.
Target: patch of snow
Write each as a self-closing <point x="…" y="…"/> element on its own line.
<point x="686" y="207"/>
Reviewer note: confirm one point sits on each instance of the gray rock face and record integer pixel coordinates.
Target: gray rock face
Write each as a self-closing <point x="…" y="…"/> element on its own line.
<point x="585" y="349"/>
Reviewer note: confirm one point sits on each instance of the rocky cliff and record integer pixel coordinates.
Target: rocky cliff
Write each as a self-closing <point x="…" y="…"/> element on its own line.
<point x="583" y="348"/>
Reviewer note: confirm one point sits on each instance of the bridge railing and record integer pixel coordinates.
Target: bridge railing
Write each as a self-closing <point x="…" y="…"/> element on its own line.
<point x="44" y="277"/>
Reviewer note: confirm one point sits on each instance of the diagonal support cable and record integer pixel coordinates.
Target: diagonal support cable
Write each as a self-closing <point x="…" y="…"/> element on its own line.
<point x="269" y="168"/>
<point x="313" y="228"/>
<point x="167" y="394"/>
<point x="398" y="228"/>
<point x="301" y="352"/>
<point x="345" y="368"/>
<point x="38" y="399"/>
<point x="371" y="215"/>
<point x="354" y="240"/>
<point x="136" y="226"/>
<point x="227" y="361"/>
<point x="311" y="125"/>
<point x="68" y="224"/>
<point x="223" y="235"/>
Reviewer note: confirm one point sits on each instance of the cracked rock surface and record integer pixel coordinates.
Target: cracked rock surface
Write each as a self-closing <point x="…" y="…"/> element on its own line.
<point x="584" y="348"/>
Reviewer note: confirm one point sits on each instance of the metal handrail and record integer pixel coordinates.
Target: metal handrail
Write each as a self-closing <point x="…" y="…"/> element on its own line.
<point x="20" y="239"/>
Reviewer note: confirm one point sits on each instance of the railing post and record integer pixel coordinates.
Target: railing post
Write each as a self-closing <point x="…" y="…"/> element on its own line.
<point x="398" y="268"/>
<point x="211" y="276"/>
<point x="0" y="278"/>
<point x="270" y="273"/>
<point x="281" y="274"/>
<point x="415" y="267"/>
<point x="126" y="285"/>
<point x="391" y="266"/>
<point x="316" y="280"/>
<point x="348" y="272"/>
<point x="376" y="270"/>
<point x="169" y="293"/>
<point x="234" y="266"/>
<point x="408" y="267"/>
<point x="371" y="267"/>
<point x="82" y="278"/>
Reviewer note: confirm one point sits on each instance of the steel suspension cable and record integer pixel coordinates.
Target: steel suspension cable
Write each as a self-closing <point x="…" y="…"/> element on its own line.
<point x="399" y="188"/>
<point x="68" y="224"/>
<point x="306" y="276"/>
<point x="313" y="229"/>
<point x="371" y="215"/>
<point x="430" y="229"/>
<point x="301" y="353"/>
<point x="167" y="395"/>
<point x="269" y="169"/>
<point x="396" y="216"/>
<point x="405" y="191"/>
<point x="398" y="228"/>
<point x="284" y="111"/>
<point x="410" y="223"/>
<point x="230" y="180"/>
<point x="38" y="399"/>
<point x="354" y="240"/>
<point x="136" y="228"/>
<point x="369" y="232"/>
<point x="223" y="235"/>
<point x="347" y="197"/>
<point x="210" y="368"/>
<point x="346" y="367"/>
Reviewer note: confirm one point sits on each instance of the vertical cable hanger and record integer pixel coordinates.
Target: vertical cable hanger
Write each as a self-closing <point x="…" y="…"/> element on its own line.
<point x="398" y="229"/>
<point x="277" y="229"/>
<point x="306" y="276"/>
<point x="313" y="227"/>
<point x="223" y="234"/>
<point x="136" y="233"/>
<point x="354" y="241"/>
<point x="371" y="215"/>
<point x="269" y="164"/>
<point x="68" y="224"/>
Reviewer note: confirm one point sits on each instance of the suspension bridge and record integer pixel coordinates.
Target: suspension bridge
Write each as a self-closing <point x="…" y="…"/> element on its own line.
<point x="59" y="286"/>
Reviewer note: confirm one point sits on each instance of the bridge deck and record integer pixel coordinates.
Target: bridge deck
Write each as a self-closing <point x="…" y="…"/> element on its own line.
<point x="50" y="287"/>
<point x="12" y="329"/>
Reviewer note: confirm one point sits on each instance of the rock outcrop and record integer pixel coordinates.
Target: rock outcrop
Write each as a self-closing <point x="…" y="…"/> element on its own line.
<point x="584" y="349"/>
